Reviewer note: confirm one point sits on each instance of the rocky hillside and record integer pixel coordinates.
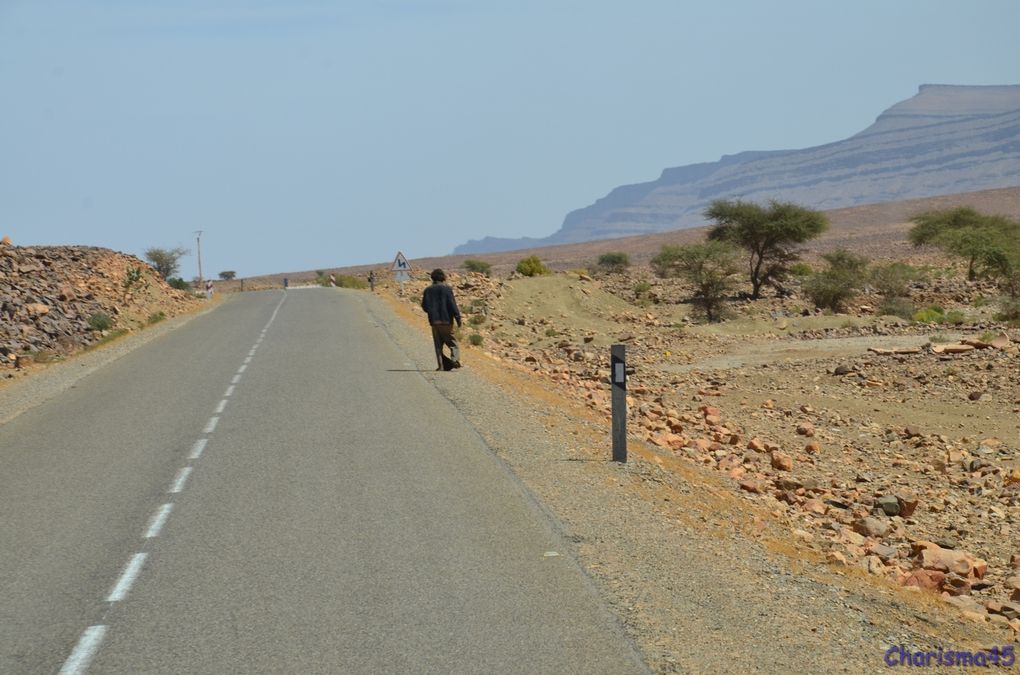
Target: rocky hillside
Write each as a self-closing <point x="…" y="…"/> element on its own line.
<point x="886" y="448"/>
<point x="944" y="140"/>
<point x="55" y="300"/>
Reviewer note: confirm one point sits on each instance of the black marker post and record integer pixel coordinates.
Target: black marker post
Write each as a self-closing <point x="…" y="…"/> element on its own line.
<point x="618" y="378"/>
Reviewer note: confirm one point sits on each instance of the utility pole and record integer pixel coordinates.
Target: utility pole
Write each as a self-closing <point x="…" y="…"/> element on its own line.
<point x="198" y="241"/>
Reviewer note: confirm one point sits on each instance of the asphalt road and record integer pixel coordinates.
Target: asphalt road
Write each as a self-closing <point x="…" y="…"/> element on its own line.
<point x="276" y="488"/>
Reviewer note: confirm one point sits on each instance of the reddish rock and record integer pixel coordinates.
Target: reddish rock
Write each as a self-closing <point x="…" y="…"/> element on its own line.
<point x="750" y="486"/>
<point x="929" y="580"/>
<point x="908" y="503"/>
<point x="782" y="462"/>
<point x="806" y="429"/>
<point x="871" y="527"/>
<point x="756" y="444"/>
<point x="934" y="557"/>
<point x="812" y="448"/>
<point x="816" y="506"/>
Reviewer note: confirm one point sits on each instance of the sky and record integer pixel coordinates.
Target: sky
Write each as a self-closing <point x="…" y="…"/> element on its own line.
<point x="304" y="134"/>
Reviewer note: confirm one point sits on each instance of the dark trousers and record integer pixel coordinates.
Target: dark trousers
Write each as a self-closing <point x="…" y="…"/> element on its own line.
<point x="442" y="334"/>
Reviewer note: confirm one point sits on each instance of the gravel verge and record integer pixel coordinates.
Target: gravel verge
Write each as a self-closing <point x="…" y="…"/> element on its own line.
<point x="703" y="579"/>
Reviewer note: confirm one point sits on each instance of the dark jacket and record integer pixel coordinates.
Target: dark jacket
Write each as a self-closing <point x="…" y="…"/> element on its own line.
<point x="438" y="303"/>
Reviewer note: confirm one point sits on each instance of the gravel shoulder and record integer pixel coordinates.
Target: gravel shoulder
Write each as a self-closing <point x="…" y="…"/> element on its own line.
<point x="702" y="579"/>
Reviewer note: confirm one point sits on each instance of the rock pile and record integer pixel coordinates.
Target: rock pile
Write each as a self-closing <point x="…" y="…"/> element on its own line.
<point x="53" y="299"/>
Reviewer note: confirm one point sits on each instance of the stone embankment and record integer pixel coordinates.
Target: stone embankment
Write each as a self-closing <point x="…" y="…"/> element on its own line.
<point x="55" y="300"/>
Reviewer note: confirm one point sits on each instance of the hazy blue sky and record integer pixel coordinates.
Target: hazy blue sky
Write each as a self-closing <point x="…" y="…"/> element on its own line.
<point x="305" y="134"/>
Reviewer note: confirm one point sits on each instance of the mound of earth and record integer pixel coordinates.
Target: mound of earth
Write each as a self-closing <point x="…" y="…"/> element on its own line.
<point x="56" y="300"/>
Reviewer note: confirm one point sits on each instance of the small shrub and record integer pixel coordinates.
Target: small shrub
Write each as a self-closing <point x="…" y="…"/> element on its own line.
<point x="349" y="281"/>
<point x="100" y="322"/>
<point x="615" y="261"/>
<point x="894" y="279"/>
<point x="642" y="288"/>
<point x="44" y="356"/>
<point x="532" y="266"/>
<point x="801" y="269"/>
<point x="475" y="339"/>
<point x="179" y="284"/>
<point x="829" y="290"/>
<point x="132" y="279"/>
<point x="833" y="288"/>
<point x="901" y="307"/>
<point x="954" y="317"/>
<point x="479" y="266"/>
<point x="939" y="338"/>
<point x="1009" y="310"/>
<point x="929" y="315"/>
<point x="551" y="332"/>
<point x="155" y="317"/>
<point x="476" y="319"/>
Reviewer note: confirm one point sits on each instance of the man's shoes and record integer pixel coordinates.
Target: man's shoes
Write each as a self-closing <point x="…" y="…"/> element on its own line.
<point x="456" y="364"/>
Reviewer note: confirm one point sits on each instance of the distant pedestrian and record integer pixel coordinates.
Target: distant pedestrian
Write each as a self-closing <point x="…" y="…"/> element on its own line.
<point x="371" y="280"/>
<point x="208" y="289"/>
<point x="441" y="307"/>
<point x="332" y="280"/>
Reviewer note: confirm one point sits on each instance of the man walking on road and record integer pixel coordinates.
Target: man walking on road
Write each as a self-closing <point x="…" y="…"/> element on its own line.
<point x="441" y="307"/>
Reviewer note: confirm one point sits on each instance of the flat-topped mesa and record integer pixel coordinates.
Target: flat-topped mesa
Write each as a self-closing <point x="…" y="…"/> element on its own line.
<point x="945" y="140"/>
<point x="936" y="103"/>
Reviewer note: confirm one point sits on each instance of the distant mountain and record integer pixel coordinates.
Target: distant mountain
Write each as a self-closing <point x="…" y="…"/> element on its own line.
<point x="945" y="140"/>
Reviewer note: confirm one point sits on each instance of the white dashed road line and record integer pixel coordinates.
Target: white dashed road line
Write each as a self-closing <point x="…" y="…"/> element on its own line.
<point x="198" y="448"/>
<point x="88" y="645"/>
<point x="158" y="521"/>
<point x="127" y="578"/>
<point x="91" y="639"/>
<point x="180" y="480"/>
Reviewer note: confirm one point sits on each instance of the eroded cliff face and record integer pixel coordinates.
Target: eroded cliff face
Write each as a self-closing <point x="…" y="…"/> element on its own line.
<point x="945" y="140"/>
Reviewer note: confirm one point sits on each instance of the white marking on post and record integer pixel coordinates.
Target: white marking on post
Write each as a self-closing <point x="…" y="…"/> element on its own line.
<point x="127" y="578"/>
<point x="180" y="480"/>
<point x="242" y="368"/>
<point x="236" y="379"/>
<point x="221" y="406"/>
<point x="210" y="426"/>
<point x="198" y="448"/>
<point x="81" y="656"/>
<point x="229" y="392"/>
<point x="158" y="520"/>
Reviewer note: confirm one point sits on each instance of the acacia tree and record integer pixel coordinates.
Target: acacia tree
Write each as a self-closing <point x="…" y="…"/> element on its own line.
<point x="768" y="233"/>
<point x="227" y="275"/>
<point x="710" y="267"/>
<point x="982" y="240"/>
<point x="166" y="261"/>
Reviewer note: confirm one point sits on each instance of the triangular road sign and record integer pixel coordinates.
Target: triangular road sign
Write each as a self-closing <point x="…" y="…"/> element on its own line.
<point x="400" y="263"/>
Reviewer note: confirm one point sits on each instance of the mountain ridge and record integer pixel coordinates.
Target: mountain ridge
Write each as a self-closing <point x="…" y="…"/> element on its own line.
<point x="946" y="139"/>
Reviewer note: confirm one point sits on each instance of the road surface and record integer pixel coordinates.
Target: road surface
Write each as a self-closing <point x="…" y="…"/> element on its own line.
<point x="276" y="488"/>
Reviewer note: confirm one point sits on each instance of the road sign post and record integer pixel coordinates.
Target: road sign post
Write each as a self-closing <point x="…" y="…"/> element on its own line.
<point x="618" y="378"/>
<point x="401" y="271"/>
